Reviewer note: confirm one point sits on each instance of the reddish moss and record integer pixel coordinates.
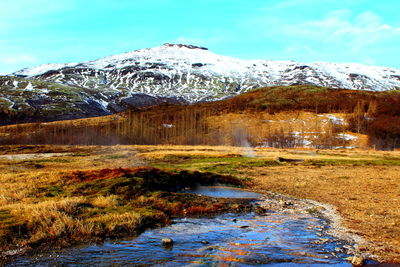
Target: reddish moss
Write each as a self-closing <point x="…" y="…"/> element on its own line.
<point x="85" y="176"/>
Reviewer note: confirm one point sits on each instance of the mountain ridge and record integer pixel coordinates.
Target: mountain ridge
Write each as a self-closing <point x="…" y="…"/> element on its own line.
<point x="172" y="74"/>
<point x="179" y="67"/>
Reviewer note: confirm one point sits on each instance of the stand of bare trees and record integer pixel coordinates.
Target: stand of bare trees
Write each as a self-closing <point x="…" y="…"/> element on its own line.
<point x="374" y="114"/>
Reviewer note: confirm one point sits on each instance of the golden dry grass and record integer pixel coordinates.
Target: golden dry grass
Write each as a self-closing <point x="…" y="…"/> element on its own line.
<point x="58" y="219"/>
<point x="366" y="196"/>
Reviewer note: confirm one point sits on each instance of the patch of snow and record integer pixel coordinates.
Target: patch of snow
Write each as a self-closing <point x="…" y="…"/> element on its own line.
<point x="103" y="104"/>
<point x="368" y="118"/>
<point x="347" y="137"/>
<point x="34" y="71"/>
<point x="165" y="125"/>
<point x="345" y="147"/>
<point x="29" y="87"/>
<point x="335" y="120"/>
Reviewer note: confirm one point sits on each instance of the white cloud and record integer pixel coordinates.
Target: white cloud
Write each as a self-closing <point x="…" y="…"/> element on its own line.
<point x="337" y="35"/>
<point x="337" y="27"/>
<point x="338" y="24"/>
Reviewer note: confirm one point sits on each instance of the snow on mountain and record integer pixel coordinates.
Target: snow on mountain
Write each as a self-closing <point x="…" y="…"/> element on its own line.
<point x="30" y="72"/>
<point x="194" y="73"/>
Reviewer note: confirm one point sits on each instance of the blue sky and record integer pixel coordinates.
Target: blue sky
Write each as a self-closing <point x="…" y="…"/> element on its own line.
<point x="59" y="31"/>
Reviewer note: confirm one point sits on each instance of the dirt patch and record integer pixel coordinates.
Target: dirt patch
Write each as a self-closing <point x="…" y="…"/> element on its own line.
<point x="366" y="197"/>
<point x="32" y="156"/>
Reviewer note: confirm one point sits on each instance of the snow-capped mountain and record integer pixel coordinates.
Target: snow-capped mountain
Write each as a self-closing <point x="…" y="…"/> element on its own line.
<point x="194" y="73"/>
<point x="171" y="73"/>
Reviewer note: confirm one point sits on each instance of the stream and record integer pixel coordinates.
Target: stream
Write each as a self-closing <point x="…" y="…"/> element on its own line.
<point x="287" y="237"/>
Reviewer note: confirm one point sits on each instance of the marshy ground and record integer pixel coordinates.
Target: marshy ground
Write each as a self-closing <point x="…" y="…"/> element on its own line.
<point x="92" y="192"/>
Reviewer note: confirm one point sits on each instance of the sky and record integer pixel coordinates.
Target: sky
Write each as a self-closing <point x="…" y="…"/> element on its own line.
<point x="48" y="31"/>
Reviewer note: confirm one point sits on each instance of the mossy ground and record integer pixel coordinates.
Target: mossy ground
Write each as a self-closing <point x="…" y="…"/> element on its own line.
<point x="66" y="201"/>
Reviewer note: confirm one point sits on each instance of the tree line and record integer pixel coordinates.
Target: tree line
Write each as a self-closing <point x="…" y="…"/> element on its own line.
<point x="374" y="114"/>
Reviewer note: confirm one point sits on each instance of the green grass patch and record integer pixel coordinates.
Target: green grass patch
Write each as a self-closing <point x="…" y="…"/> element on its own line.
<point x="54" y="190"/>
<point x="115" y="156"/>
<point x="53" y="160"/>
<point x="221" y="165"/>
<point x="80" y="154"/>
<point x="130" y="183"/>
<point x="313" y="210"/>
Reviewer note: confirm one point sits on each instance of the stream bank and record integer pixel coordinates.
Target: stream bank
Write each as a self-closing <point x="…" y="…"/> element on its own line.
<point x="276" y="230"/>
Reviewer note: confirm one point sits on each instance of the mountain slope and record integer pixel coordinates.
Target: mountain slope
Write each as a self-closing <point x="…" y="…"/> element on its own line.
<point x="23" y="100"/>
<point x="29" y="100"/>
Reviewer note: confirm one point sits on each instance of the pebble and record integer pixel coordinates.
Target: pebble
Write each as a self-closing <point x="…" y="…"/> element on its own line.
<point x="324" y="240"/>
<point x="337" y="249"/>
<point x="260" y="210"/>
<point x="13" y="252"/>
<point x="356" y="260"/>
<point x="167" y="241"/>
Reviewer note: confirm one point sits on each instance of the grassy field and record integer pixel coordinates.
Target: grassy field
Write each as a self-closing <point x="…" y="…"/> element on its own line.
<point x="88" y="193"/>
<point x="81" y="194"/>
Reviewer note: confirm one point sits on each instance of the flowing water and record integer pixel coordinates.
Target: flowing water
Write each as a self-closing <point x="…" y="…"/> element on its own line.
<point x="224" y="192"/>
<point x="285" y="238"/>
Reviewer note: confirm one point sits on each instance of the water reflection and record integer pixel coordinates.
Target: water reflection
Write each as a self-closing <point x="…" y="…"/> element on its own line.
<point x="281" y="238"/>
<point x="223" y="192"/>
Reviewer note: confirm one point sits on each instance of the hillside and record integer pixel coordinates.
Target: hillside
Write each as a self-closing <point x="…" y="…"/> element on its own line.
<point x="31" y="100"/>
<point x="293" y="116"/>
<point x="24" y="100"/>
<point x="176" y="73"/>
